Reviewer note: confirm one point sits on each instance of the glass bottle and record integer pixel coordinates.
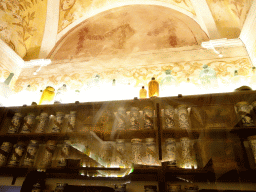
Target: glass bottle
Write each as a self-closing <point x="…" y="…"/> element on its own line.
<point x="143" y="93"/>
<point x="47" y="95"/>
<point x="120" y="119"/>
<point x="31" y="153"/>
<point x="59" y="97"/>
<point x="186" y="152"/>
<point x="121" y="149"/>
<point x="167" y="83"/>
<point x="208" y="77"/>
<point x="153" y="88"/>
<point x="183" y="117"/>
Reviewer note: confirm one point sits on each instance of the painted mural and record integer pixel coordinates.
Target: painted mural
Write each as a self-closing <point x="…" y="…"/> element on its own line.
<point x="22" y="25"/>
<point x="129" y="29"/>
<point x="136" y="76"/>
<point x="71" y="10"/>
<point x="229" y="15"/>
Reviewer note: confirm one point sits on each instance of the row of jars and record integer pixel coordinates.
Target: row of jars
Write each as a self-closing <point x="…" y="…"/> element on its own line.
<point x="132" y="119"/>
<point x="176" y="152"/>
<point x="30" y="148"/>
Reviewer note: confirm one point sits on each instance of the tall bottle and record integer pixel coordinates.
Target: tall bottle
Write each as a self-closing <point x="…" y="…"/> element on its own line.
<point x="5" y="90"/>
<point x="153" y="88"/>
<point x="143" y="93"/>
<point x="59" y="97"/>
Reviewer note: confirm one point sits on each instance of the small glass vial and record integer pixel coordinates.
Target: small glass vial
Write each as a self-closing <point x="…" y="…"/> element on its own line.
<point x="153" y="88"/>
<point x="143" y="93"/>
<point x="170" y="146"/>
<point x="148" y="118"/>
<point x="151" y="151"/>
<point x="183" y="117"/>
<point x="136" y="150"/>
<point x="169" y="113"/>
<point x="134" y="118"/>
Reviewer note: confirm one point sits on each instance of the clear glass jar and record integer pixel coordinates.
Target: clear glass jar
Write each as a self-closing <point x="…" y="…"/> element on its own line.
<point x="151" y="152"/>
<point x="29" y="121"/>
<point x="148" y="118"/>
<point x="15" y="123"/>
<point x="57" y="125"/>
<point x="186" y="152"/>
<point x="120" y="119"/>
<point x="150" y="188"/>
<point x="31" y="153"/>
<point x="173" y="187"/>
<point x="17" y="154"/>
<point x="183" y="117"/>
<point x="43" y="120"/>
<point x="134" y="118"/>
<point x="71" y="121"/>
<point x="136" y="150"/>
<point x="170" y="146"/>
<point x="121" y="149"/>
<point x="169" y="113"/>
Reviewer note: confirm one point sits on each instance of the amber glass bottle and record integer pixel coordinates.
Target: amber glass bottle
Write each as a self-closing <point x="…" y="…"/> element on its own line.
<point x="143" y="93"/>
<point x="153" y="88"/>
<point x="47" y="96"/>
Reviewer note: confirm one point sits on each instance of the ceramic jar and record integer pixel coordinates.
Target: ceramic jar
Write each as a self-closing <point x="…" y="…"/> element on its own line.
<point x="173" y="188"/>
<point x="6" y="148"/>
<point x="186" y="152"/>
<point x="29" y="121"/>
<point x="120" y="119"/>
<point x="57" y="126"/>
<point x="48" y="153"/>
<point x="183" y="117"/>
<point x="169" y="113"/>
<point x="150" y="188"/>
<point x="31" y="153"/>
<point x="60" y="187"/>
<point x="71" y="121"/>
<point x="42" y="123"/>
<point x="243" y="110"/>
<point x="136" y="150"/>
<point x="15" y="123"/>
<point x="148" y="118"/>
<point x="252" y="141"/>
<point x="151" y="151"/>
<point x="170" y="146"/>
<point x="16" y="156"/>
<point x="37" y="188"/>
<point x="134" y="118"/>
<point x="64" y="153"/>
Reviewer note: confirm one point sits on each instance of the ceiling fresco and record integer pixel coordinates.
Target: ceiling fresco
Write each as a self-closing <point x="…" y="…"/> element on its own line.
<point x="129" y="29"/>
<point x="71" y="10"/>
<point x="229" y="15"/>
<point x="22" y="25"/>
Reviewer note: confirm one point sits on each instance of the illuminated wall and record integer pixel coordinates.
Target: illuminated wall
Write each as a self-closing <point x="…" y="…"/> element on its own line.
<point x="22" y="26"/>
<point x="229" y="15"/>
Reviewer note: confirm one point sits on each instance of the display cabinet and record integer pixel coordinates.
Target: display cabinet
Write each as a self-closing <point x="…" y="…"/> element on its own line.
<point x="199" y="138"/>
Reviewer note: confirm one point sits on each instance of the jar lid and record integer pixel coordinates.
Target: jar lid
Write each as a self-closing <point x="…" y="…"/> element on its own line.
<point x="169" y="140"/>
<point x="184" y="139"/>
<point x="242" y="103"/>
<point x="118" y="141"/>
<point x="136" y="140"/>
<point x="150" y="140"/>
